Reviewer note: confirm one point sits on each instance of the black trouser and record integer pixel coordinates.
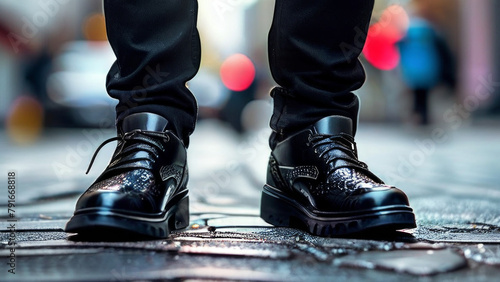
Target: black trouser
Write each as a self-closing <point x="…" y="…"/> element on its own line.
<point x="313" y="52"/>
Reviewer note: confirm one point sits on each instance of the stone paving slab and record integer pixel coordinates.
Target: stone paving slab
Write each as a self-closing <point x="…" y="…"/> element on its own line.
<point x="242" y="244"/>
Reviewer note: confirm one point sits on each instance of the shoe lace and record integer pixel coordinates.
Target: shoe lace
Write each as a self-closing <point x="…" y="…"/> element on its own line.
<point x="323" y="144"/>
<point x="127" y="137"/>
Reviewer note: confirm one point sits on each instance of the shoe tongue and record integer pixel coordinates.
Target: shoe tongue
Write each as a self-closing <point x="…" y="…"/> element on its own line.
<point x="144" y="121"/>
<point x="334" y="125"/>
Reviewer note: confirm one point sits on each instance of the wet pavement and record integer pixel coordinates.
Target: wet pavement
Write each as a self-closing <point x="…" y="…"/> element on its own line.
<point x="451" y="176"/>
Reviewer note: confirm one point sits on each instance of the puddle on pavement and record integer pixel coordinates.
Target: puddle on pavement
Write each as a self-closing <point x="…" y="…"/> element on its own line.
<point x="238" y="221"/>
<point x="416" y="262"/>
<point x="481" y="253"/>
<point x="239" y="251"/>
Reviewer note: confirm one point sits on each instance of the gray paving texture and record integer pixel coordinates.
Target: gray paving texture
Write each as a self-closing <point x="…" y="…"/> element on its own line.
<point x="450" y="173"/>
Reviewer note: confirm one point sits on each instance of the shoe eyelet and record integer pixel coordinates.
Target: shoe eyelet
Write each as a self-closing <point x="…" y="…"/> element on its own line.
<point x="309" y="139"/>
<point x="166" y="137"/>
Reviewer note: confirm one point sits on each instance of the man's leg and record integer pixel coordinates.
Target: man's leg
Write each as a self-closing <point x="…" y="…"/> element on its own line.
<point x="143" y="189"/>
<point x="313" y="53"/>
<point x="315" y="180"/>
<point x="158" y="49"/>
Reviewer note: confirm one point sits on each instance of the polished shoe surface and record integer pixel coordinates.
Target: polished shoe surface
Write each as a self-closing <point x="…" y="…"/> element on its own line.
<point x="143" y="189"/>
<point x="315" y="182"/>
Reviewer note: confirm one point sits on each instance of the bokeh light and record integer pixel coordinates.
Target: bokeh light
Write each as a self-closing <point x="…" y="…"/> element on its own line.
<point x="237" y="72"/>
<point x="94" y="28"/>
<point x="380" y="48"/>
<point x="25" y="120"/>
<point x="395" y="17"/>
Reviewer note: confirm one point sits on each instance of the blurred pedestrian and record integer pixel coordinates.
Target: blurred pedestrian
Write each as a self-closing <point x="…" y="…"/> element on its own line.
<point x="425" y="62"/>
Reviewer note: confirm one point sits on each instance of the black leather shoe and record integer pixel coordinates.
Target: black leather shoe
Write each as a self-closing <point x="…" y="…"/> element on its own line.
<point x="143" y="190"/>
<point x="315" y="182"/>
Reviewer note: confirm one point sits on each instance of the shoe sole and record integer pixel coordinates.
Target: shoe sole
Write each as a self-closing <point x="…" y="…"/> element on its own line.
<point x="104" y="223"/>
<point x="282" y="211"/>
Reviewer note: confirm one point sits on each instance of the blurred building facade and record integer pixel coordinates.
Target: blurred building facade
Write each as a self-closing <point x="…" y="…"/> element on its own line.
<point x="32" y="30"/>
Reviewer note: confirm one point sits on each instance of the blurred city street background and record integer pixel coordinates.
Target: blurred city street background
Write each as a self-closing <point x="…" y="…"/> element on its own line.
<point x="429" y="124"/>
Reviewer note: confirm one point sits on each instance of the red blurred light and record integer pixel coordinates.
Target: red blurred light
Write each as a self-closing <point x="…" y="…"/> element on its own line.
<point x="237" y="72"/>
<point x="380" y="47"/>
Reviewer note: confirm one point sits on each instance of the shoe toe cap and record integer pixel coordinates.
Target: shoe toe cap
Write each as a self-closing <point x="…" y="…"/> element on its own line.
<point x="382" y="196"/>
<point x="123" y="192"/>
<point x="116" y="201"/>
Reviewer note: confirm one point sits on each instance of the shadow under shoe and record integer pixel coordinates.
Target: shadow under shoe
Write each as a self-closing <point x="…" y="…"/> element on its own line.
<point x="316" y="183"/>
<point x="142" y="192"/>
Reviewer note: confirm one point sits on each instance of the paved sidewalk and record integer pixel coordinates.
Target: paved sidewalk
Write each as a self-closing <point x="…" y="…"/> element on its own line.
<point x="450" y="175"/>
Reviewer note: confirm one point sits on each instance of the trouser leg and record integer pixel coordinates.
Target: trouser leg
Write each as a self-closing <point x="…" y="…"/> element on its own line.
<point x="313" y="53"/>
<point x="158" y="50"/>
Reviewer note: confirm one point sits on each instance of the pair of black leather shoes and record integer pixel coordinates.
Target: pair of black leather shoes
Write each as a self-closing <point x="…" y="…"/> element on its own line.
<point x="315" y="183"/>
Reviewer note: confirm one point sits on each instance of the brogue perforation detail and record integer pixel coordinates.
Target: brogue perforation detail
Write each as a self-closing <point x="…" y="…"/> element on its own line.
<point x="171" y="171"/>
<point x="303" y="172"/>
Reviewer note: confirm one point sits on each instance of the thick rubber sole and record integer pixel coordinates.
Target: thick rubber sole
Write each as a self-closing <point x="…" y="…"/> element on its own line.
<point x="109" y="223"/>
<point x="280" y="210"/>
